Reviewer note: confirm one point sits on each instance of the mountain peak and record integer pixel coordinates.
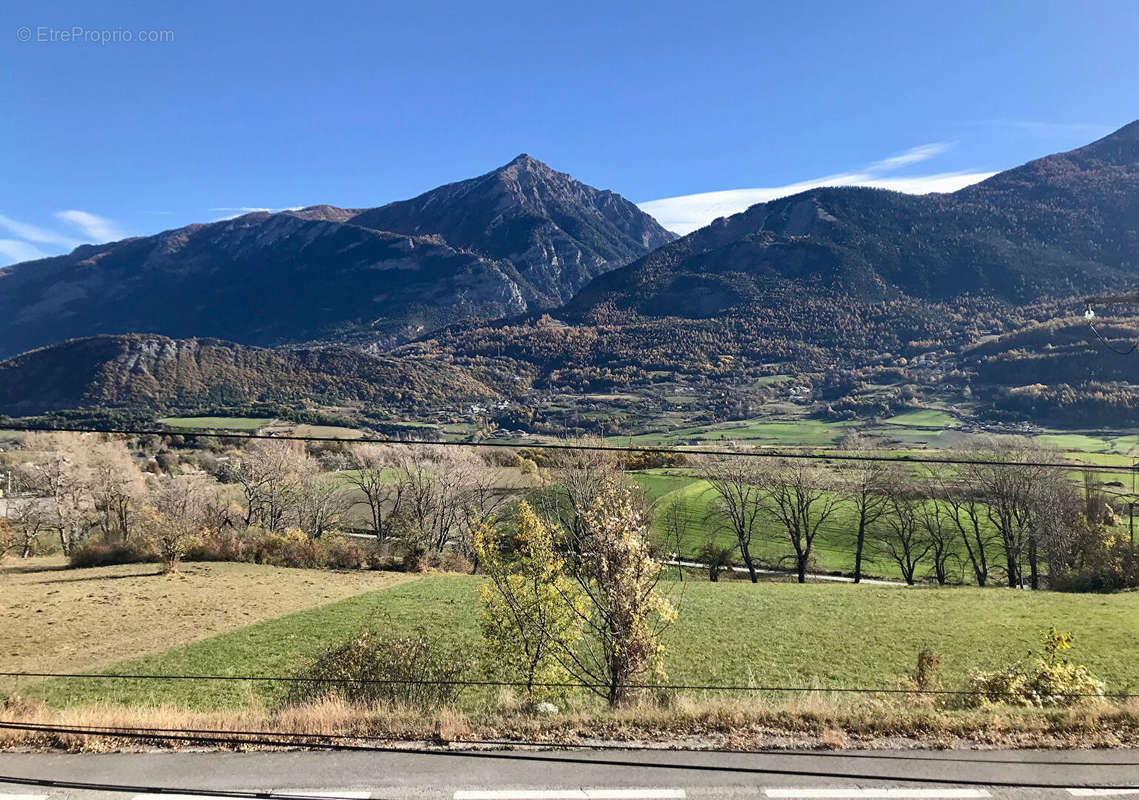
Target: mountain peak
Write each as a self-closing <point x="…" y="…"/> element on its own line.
<point x="526" y="162"/>
<point x="554" y="231"/>
<point x="518" y="238"/>
<point x="1120" y="147"/>
<point x="1129" y="132"/>
<point x="323" y="213"/>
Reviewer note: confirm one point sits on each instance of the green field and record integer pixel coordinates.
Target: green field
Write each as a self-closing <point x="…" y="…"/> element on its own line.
<point x="833" y="547"/>
<point x="217" y="423"/>
<point x="1121" y="444"/>
<point x="785" y="433"/>
<point x="919" y="429"/>
<point x="925" y="418"/>
<point x="659" y="483"/>
<point x="727" y="633"/>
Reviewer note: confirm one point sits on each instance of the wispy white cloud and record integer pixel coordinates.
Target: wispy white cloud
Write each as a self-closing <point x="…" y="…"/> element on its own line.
<point x="686" y="213"/>
<point x="96" y="228"/>
<point x="232" y="212"/>
<point x="13" y="251"/>
<point x="34" y="233"/>
<point x="31" y="241"/>
<point x="914" y="155"/>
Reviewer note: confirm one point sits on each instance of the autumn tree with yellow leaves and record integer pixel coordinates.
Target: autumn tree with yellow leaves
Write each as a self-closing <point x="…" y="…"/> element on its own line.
<point x="530" y="611"/>
<point x="597" y="618"/>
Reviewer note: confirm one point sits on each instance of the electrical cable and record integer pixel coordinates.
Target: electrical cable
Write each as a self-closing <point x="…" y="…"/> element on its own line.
<point x="601" y="746"/>
<point x="499" y="755"/>
<point x="520" y="684"/>
<point x="773" y="454"/>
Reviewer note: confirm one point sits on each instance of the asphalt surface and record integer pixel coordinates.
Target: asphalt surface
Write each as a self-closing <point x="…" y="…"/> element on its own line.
<point x="604" y="775"/>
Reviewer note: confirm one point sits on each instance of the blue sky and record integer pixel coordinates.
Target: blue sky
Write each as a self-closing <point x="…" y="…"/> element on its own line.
<point x="271" y="105"/>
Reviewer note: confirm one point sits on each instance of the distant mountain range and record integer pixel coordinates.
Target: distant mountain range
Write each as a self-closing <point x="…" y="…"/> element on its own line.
<point x="525" y="280"/>
<point x="519" y="238"/>
<point x="1059" y="226"/>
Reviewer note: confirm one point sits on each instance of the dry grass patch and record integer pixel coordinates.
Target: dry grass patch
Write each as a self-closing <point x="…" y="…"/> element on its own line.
<point x="824" y="723"/>
<point x="57" y="619"/>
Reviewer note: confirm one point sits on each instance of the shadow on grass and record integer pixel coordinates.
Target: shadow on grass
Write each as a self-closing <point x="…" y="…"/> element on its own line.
<point x="81" y="578"/>
<point x="31" y="569"/>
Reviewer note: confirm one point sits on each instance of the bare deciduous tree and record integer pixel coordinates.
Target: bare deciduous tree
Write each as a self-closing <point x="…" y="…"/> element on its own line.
<point x="1005" y="475"/>
<point x="271" y="474"/>
<point x="963" y="506"/>
<point x="59" y="469"/>
<point x="1058" y="519"/>
<point x="320" y="505"/>
<point x="941" y="534"/>
<point x="901" y="533"/>
<point x="864" y="486"/>
<point x="178" y="514"/>
<point x="8" y="538"/>
<point x="674" y="521"/>
<point x="739" y="499"/>
<point x="30" y="517"/>
<point x="372" y="471"/>
<point x="117" y="487"/>
<point x="801" y="498"/>
<point x="444" y="495"/>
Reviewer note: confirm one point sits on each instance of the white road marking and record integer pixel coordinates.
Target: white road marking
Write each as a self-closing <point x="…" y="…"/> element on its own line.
<point x="331" y="793"/>
<point x="1101" y="792"/>
<point x="571" y="794"/>
<point x="349" y="795"/>
<point x="4" y="796"/>
<point x="860" y="792"/>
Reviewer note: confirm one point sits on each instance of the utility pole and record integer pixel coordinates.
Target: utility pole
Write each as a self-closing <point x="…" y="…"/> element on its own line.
<point x="1131" y="521"/>
<point x="1131" y="298"/>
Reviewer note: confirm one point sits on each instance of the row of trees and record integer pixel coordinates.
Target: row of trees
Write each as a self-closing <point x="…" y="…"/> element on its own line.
<point x="73" y="486"/>
<point x="1002" y="511"/>
<point x="1002" y="514"/>
<point x="77" y="485"/>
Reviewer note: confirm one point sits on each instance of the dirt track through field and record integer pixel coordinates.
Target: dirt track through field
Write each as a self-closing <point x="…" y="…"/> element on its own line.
<point x="58" y="619"/>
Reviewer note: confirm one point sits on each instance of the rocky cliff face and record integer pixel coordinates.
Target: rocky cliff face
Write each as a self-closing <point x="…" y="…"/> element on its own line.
<point x="558" y="233"/>
<point x="155" y="373"/>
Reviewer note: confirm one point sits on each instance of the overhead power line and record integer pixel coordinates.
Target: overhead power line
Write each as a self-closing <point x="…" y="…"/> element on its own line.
<point x="295" y="679"/>
<point x="548" y="744"/>
<point x="1130" y="298"/>
<point x="237" y="739"/>
<point x="487" y="443"/>
<point x="53" y="783"/>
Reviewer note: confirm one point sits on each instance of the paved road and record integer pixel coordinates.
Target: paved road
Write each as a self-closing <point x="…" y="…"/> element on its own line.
<point x="609" y="775"/>
<point x="814" y="576"/>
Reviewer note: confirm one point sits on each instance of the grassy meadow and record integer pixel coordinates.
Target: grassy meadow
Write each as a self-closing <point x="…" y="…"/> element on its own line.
<point x="833" y="549"/>
<point x="244" y="424"/>
<point x="57" y="619"/>
<point x="781" y="634"/>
